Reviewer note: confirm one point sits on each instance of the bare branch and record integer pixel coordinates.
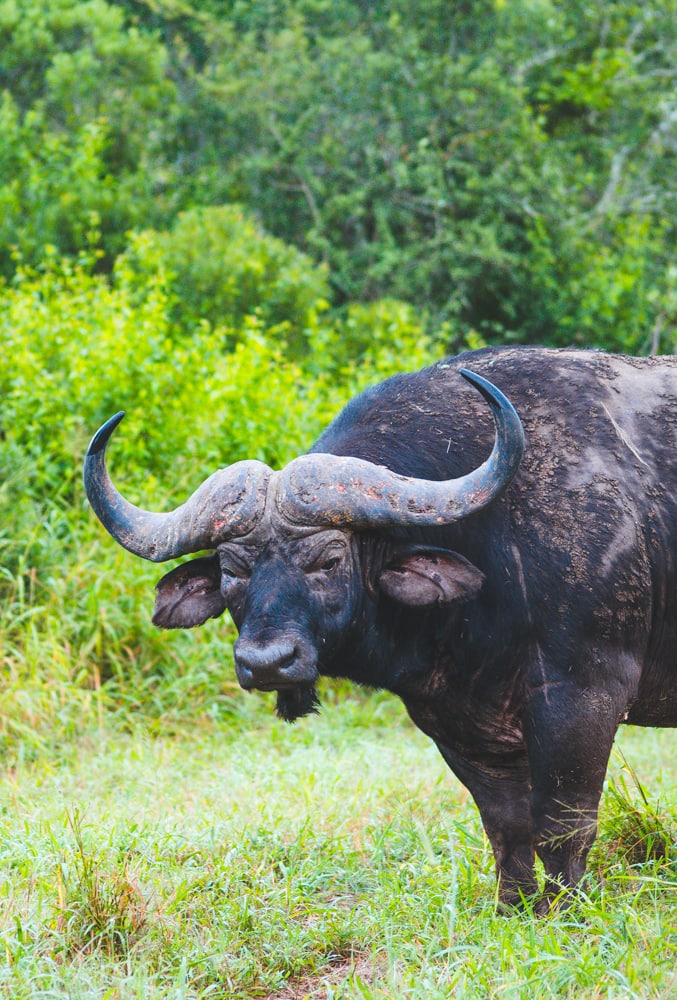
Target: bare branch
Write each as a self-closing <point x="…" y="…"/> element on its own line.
<point x="302" y="184"/>
<point x="606" y="200"/>
<point x="543" y="57"/>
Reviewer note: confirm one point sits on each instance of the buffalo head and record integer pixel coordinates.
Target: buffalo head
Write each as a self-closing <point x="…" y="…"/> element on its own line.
<point x="301" y="555"/>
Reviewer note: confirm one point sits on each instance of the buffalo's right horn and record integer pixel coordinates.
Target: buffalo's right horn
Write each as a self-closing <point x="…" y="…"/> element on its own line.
<point x="228" y="504"/>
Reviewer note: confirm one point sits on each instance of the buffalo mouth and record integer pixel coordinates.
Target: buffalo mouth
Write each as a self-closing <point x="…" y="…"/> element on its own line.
<point x="278" y="686"/>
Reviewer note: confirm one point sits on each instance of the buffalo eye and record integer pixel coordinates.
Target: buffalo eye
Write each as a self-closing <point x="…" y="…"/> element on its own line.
<point x="326" y="560"/>
<point x="330" y="563"/>
<point x="233" y="567"/>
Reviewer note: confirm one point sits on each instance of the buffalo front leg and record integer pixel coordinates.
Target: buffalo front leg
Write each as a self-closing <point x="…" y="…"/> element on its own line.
<point x="502" y="795"/>
<point x="569" y="736"/>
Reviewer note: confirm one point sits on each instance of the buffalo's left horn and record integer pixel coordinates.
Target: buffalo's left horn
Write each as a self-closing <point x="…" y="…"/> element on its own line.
<point x="228" y="504"/>
<point x="339" y="490"/>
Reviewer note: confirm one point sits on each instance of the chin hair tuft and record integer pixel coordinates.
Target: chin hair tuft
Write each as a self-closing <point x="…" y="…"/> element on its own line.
<point x="294" y="703"/>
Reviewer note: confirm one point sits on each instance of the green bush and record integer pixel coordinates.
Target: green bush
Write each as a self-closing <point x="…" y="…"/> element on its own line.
<point x="223" y="267"/>
<point x="505" y="167"/>
<point x="82" y="99"/>
<point x="433" y="152"/>
<point x="81" y="350"/>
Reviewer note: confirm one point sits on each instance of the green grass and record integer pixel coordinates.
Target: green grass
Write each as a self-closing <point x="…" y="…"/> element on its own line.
<point x="337" y="858"/>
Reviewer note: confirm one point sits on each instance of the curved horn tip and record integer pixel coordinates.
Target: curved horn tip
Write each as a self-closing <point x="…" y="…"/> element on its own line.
<point x="102" y="436"/>
<point x="505" y="415"/>
<point x="490" y="392"/>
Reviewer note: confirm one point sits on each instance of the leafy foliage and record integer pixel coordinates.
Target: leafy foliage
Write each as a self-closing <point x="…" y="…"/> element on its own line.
<point x="223" y="267"/>
<point x="81" y="116"/>
<point x="432" y="153"/>
<point x="506" y="167"/>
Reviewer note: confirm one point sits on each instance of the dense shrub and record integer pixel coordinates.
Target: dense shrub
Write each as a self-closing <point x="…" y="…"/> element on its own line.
<point x="82" y="349"/>
<point x="83" y="98"/>
<point x="507" y="167"/>
<point x="223" y="267"/>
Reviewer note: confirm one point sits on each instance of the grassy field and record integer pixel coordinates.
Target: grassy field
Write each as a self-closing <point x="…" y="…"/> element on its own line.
<point x="337" y="858"/>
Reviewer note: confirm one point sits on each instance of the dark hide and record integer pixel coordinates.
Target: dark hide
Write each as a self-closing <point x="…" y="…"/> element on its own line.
<point x="518" y="638"/>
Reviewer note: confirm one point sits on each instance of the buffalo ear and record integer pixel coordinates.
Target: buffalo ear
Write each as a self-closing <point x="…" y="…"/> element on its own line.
<point x="419" y="576"/>
<point x="189" y="594"/>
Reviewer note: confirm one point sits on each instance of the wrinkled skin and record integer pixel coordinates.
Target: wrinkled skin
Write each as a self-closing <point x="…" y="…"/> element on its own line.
<point x="302" y="599"/>
<point x="519" y="638"/>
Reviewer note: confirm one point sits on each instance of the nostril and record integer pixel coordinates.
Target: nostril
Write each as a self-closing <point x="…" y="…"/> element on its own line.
<point x="254" y="656"/>
<point x="287" y="659"/>
<point x="263" y="663"/>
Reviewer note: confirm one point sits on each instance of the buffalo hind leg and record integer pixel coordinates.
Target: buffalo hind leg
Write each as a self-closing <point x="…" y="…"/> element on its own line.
<point x="502" y="796"/>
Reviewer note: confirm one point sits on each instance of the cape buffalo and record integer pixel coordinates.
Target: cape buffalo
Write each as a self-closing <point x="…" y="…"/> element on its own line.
<point x="522" y="606"/>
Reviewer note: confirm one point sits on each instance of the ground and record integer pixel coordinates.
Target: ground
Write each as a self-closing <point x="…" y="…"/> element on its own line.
<point x="337" y="858"/>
